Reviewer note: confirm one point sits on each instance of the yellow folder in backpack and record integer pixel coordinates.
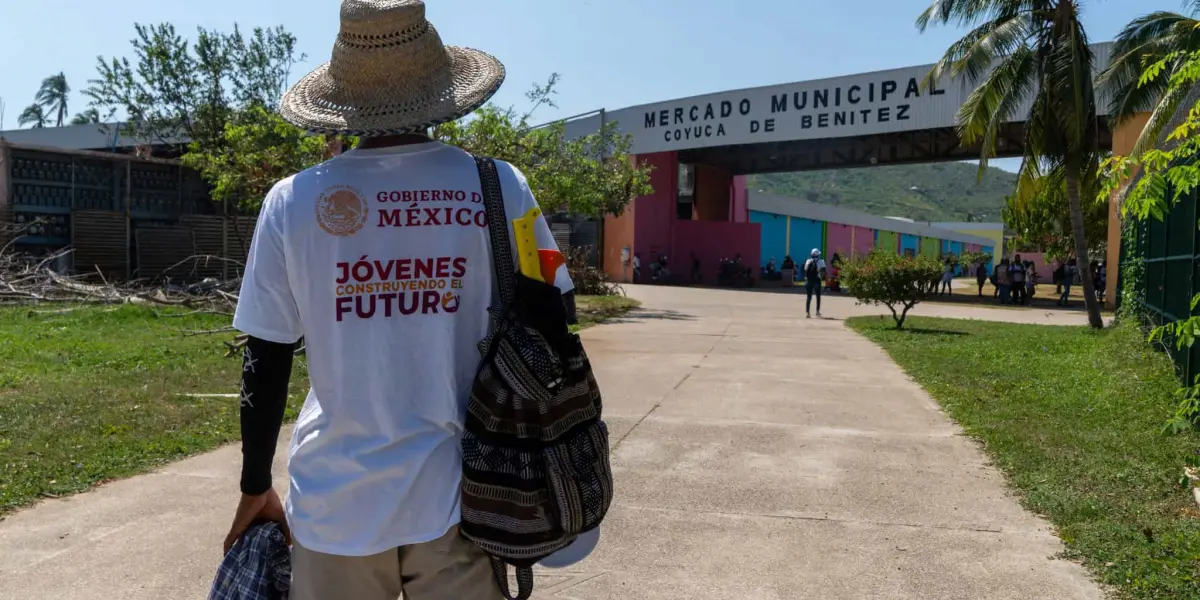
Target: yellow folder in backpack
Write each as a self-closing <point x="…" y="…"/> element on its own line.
<point x="527" y="245"/>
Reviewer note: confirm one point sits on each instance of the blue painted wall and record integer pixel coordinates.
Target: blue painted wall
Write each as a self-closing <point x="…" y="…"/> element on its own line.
<point x="910" y="242"/>
<point x="990" y="250"/>
<point x="773" y="238"/>
<point x="806" y="235"/>
<point x="955" y="248"/>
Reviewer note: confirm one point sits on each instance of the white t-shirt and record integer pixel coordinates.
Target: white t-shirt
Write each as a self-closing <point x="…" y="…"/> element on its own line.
<point x="381" y="260"/>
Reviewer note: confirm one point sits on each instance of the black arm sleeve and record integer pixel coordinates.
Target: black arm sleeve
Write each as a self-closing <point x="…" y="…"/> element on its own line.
<point x="266" y="369"/>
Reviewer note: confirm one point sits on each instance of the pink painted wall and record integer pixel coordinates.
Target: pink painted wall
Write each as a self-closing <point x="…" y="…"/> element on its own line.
<point x="712" y="241"/>
<point x="658" y="231"/>
<point x="656" y="212"/>
<point x="837" y="240"/>
<point x="864" y="240"/>
<point x="972" y="247"/>
<point x="739" y="200"/>
<point x="1044" y="269"/>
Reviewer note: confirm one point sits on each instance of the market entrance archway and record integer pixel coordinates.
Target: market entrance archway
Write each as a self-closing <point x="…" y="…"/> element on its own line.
<point x="701" y="147"/>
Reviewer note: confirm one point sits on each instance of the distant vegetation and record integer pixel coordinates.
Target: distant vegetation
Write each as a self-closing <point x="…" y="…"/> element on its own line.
<point x="929" y="192"/>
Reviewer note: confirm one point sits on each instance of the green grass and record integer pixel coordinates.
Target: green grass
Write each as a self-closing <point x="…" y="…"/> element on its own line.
<point x="592" y="310"/>
<point x="1074" y="418"/>
<point x="99" y="393"/>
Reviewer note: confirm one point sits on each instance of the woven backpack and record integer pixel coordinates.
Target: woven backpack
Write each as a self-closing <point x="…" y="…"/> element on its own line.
<point x="536" y="468"/>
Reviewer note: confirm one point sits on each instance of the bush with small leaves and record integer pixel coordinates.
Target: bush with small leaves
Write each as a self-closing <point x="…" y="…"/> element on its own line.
<point x="897" y="282"/>
<point x="589" y="280"/>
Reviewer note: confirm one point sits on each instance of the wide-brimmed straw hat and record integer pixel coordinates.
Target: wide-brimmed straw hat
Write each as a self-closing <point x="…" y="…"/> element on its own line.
<point x="390" y="74"/>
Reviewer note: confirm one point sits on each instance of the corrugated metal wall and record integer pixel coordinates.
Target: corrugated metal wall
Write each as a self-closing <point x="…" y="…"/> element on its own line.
<point x="101" y="242"/>
<point x="124" y="217"/>
<point x="1169" y="251"/>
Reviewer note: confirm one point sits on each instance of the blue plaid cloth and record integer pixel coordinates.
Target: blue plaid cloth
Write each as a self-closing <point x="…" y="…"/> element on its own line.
<point x="258" y="567"/>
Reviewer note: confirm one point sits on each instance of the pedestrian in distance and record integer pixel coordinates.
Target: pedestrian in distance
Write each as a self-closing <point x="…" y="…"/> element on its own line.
<point x="814" y="277"/>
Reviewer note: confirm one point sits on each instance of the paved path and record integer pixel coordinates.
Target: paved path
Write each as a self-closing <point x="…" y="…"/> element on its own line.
<point x="758" y="456"/>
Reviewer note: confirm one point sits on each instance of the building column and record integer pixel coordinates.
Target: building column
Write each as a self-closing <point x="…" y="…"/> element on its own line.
<point x="712" y="194"/>
<point x="1124" y="137"/>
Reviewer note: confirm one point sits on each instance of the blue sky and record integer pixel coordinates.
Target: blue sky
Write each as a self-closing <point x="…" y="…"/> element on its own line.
<point x="610" y="53"/>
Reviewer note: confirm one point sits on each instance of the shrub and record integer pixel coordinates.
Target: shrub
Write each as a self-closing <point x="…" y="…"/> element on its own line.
<point x="897" y="282"/>
<point x="970" y="259"/>
<point x="589" y="280"/>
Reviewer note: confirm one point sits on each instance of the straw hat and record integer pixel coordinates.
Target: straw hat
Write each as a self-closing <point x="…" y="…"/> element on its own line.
<point x="390" y="74"/>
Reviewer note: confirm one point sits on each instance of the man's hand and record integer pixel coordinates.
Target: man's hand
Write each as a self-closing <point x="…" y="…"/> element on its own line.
<point x="252" y="509"/>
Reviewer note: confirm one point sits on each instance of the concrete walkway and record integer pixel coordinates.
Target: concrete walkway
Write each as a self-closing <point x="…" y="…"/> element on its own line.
<point x="758" y="455"/>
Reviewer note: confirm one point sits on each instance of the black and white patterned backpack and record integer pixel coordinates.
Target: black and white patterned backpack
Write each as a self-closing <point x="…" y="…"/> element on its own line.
<point x="536" y="468"/>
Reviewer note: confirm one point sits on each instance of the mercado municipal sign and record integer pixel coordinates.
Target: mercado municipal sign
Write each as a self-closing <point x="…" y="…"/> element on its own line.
<point x="856" y="105"/>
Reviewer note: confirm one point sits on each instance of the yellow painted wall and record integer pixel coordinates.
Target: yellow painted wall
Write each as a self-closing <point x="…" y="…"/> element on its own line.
<point x="1124" y="137"/>
<point x="996" y="235"/>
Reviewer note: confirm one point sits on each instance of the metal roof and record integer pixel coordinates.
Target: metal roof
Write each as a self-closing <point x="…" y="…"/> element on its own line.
<point x="795" y="207"/>
<point x="102" y="136"/>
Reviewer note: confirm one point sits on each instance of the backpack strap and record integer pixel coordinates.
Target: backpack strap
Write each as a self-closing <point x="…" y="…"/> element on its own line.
<point x="493" y="203"/>
<point x="506" y="280"/>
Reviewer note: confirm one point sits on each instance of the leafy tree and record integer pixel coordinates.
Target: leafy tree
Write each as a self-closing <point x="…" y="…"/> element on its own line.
<point x="258" y="148"/>
<point x="1039" y="212"/>
<point x="1020" y="51"/>
<point x="971" y="258"/>
<point x="591" y="175"/>
<point x="1168" y="173"/>
<point x="895" y="281"/>
<point x="52" y="95"/>
<point x="87" y="117"/>
<point x="33" y="115"/>
<point x="179" y="92"/>
<point x="1145" y="42"/>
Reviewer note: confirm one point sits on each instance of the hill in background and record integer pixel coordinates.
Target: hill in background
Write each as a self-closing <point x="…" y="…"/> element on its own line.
<point x="927" y="192"/>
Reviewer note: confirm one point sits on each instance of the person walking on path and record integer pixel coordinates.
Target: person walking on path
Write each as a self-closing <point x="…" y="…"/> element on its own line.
<point x="814" y="277"/>
<point x="1069" y="271"/>
<point x="375" y="460"/>
<point x="981" y="276"/>
<point x="947" y="276"/>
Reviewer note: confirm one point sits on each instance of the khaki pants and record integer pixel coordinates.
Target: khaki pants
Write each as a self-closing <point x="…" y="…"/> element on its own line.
<point x="448" y="568"/>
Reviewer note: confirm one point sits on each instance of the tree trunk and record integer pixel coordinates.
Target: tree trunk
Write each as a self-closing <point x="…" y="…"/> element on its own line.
<point x="1081" y="250"/>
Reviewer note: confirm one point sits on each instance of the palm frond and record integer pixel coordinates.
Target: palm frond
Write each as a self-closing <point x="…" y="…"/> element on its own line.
<point x="987" y="44"/>
<point x="33" y="115"/>
<point x="1144" y="41"/>
<point x="996" y="99"/>
<point x="965" y="13"/>
<point x="1164" y="110"/>
<point x="1069" y="85"/>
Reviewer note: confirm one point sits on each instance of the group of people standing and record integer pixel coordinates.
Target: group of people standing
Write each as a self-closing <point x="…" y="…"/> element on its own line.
<point x="1015" y="281"/>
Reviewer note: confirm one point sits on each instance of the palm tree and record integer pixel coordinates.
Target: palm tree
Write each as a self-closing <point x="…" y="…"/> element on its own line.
<point x="1021" y="53"/>
<point x="33" y="115"/>
<point x="1145" y="41"/>
<point x="86" y="117"/>
<point x="53" y="96"/>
